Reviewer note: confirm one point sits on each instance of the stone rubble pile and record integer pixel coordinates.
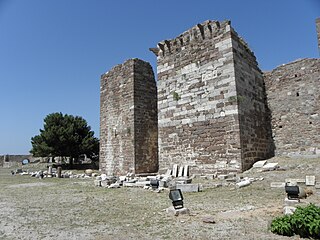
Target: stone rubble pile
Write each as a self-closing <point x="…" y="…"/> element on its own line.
<point x="53" y="172"/>
<point x="307" y="186"/>
<point x="178" y="177"/>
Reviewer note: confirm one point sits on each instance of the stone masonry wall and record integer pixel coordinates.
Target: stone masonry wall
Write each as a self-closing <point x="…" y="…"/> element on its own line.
<point x="145" y="118"/>
<point x="197" y="99"/>
<point x="254" y="114"/>
<point x="125" y="144"/>
<point x="8" y="160"/>
<point x="294" y="100"/>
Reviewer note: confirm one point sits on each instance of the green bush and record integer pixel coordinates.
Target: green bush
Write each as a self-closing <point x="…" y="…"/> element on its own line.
<point x="305" y="222"/>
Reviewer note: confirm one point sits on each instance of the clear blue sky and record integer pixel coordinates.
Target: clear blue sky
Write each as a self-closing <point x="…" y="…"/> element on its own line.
<point x="52" y="52"/>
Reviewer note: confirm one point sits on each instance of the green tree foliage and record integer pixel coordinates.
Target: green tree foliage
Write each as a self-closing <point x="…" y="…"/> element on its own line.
<point x="66" y="136"/>
<point x="305" y="222"/>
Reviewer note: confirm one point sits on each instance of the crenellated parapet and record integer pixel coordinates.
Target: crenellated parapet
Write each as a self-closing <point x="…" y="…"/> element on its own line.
<point x="202" y="31"/>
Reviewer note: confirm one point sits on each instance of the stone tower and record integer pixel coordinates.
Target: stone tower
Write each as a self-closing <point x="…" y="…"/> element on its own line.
<point x="212" y="110"/>
<point x="128" y="119"/>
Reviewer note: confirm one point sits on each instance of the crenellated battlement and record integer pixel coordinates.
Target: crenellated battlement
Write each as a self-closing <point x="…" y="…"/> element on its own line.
<point x="206" y="30"/>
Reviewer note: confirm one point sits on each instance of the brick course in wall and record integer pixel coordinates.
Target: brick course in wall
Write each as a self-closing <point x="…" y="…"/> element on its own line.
<point x="207" y="117"/>
<point x="128" y="119"/>
<point x="294" y="100"/>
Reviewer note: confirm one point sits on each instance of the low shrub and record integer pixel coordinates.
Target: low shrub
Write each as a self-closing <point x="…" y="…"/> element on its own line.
<point x="305" y="222"/>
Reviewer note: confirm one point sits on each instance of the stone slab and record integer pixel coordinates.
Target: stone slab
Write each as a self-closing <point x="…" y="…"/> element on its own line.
<point x="310" y="180"/>
<point x="259" y="164"/>
<point x="176" y="212"/>
<point x="188" y="187"/>
<point x="175" y="170"/>
<point x="136" y="184"/>
<point x="291" y="202"/>
<point x="222" y="176"/>
<point x="289" y="210"/>
<point x="270" y="166"/>
<point x="186" y="171"/>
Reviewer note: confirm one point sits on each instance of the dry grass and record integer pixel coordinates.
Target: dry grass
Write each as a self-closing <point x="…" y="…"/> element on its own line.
<point x="74" y="209"/>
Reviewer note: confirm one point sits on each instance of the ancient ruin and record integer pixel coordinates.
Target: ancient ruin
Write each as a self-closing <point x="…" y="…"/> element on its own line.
<point x="294" y="100"/>
<point x="212" y="109"/>
<point x="216" y="112"/>
<point x="10" y="160"/>
<point x="128" y="115"/>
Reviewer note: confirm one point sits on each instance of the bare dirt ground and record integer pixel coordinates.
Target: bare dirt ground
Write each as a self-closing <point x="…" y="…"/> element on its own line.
<point x="54" y="208"/>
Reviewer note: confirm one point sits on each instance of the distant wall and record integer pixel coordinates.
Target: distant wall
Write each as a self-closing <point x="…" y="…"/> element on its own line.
<point x="294" y="99"/>
<point x="9" y="160"/>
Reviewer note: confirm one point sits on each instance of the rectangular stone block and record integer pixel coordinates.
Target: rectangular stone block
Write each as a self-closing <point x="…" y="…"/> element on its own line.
<point x="259" y="164"/>
<point x="175" y="170"/>
<point x="291" y="202"/>
<point x="188" y="187"/>
<point x="310" y="180"/>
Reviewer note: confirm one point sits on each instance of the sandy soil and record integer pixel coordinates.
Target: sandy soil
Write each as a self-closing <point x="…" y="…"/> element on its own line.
<point x="74" y="209"/>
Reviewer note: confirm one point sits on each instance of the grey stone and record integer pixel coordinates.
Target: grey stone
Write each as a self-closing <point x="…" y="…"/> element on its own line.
<point x="175" y="170"/>
<point x="270" y="166"/>
<point x="97" y="183"/>
<point x="259" y="164"/>
<point x="114" y="185"/>
<point x="291" y="202"/>
<point x="222" y="176"/>
<point x="310" y="180"/>
<point x="177" y="212"/>
<point x="208" y="219"/>
<point x="188" y="187"/>
<point x="180" y="173"/>
<point x="104" y="183"/>
<point x="103" y="177"/>
<point x="289" y="210"/>
<point x="243" y="183"/>
<point x="88" y="172"/>
<point x="186" y="171"/>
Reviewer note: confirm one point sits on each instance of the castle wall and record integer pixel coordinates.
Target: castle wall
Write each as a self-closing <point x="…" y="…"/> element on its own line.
<point x="197" y="100"/>
<point x="145" y="118"/>
<point x="294" y="100"/>
<point x="11" y="160"/>
<point x="127" y="124"/>
<point x="254" y="115"/>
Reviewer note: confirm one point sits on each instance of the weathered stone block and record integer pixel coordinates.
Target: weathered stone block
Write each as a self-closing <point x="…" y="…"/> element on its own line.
<point x="310" y="180"/>
<point x="188" y="187"/>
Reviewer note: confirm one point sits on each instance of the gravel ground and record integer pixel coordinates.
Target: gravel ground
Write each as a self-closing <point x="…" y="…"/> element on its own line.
<point x="54" y="208"/>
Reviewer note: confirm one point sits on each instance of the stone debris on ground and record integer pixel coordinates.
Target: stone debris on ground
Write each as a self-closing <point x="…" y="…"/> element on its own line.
<point x="176" y="212"/>
<point x="178" y="177"/>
